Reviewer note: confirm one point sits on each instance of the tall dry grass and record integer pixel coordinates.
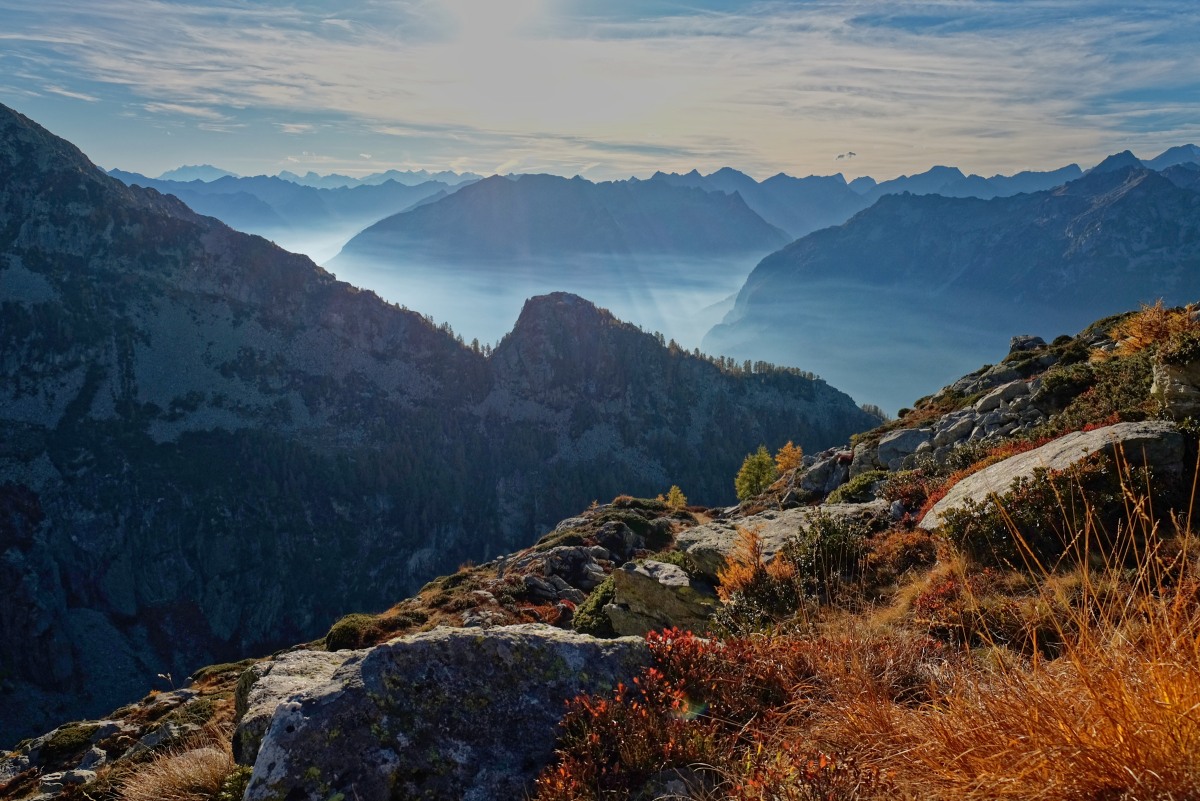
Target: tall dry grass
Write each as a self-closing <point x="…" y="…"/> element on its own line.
<point x="1117" y="716"/>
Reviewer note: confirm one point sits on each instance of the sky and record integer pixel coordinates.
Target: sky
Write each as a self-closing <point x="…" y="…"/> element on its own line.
<point x="605" y="88"/>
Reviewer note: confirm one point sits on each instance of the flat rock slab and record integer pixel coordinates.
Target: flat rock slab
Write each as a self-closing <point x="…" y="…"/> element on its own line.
<point x="449" y="713"/>
<point x="711" y="543"/>
<point x="1155" y="443"/>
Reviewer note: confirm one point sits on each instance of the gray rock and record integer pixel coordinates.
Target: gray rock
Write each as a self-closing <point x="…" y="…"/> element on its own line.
<point x="449" y="713"/>
<point x="827" y="474"/>
<point x="895" y="445"/>
<point x="540" y="587"/>
<point x="864" y="459"/>
<point x="265" y="685"/>
<point x="1177" y="388"/>
<point x="57" y="782"/>
<point x="711" y="543"/>
<point x="655" y="595"/>
<point x="1155" y="443"/>
<point x="1024" y="342"/>
<point x="1002" y="394"/>
<point x="955" y="430"/>
<point x="94" y="758"/>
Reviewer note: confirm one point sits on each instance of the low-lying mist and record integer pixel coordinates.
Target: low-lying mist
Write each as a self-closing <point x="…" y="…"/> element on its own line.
<point x="682" y="298"/>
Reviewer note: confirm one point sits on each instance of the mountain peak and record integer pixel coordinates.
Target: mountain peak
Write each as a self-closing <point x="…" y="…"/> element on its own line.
<point x="196" y="172"/>
<point x="1117" y="161"/>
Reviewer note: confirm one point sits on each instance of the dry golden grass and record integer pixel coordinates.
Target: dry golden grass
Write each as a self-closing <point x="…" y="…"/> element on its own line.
<point x="193" y="772"/>
<point x="1116" y="717"/>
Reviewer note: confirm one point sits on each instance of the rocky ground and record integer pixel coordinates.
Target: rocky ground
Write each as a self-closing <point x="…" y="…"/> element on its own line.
<point x="454" y="693"/>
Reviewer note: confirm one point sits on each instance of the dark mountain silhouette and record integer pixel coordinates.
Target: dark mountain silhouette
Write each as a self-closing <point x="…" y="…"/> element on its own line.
<point x="545" y="216"/>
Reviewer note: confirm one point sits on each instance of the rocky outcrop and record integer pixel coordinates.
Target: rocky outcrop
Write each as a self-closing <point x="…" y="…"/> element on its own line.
<point x="709" y="544"/>
<point x="654" y="595"/>
<point x="267" y="684"/>
<point x="1156" y="444"/>
<point x="449" y="713"/>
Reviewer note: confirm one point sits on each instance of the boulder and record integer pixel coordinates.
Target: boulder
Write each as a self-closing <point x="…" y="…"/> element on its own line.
<point x="656" y="595"/>
<point x="1156" y="443"/>
<point x="1000" y="395"/>
<point x="865" y="458"/>
<point x="954" y="429"/>
<point x="895" y="445"/>
<point x="1024" y="342"/>
<point x="448" y="713"/>
<point x="711" y="543"/>
<point x="263" y="686"/>
<point x="827" y="474"/>
<point x="1177" y="388"/>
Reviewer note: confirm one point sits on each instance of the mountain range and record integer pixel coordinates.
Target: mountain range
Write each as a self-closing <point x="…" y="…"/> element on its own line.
<point x="211" y="447"/>
<point x="907" y="293"/>
<point x="280" y="209"/>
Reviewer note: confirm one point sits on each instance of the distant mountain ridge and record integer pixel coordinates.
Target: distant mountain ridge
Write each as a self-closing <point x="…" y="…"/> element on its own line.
<point x="926" y="279"/>
<point x="539" y="216"/>
<point x="211" y="447"/>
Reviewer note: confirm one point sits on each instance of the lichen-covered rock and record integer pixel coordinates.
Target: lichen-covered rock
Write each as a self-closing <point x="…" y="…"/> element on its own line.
<point x="655" y="595"/>
<point x="1154" y="443"/>
<point x="711" y="543"/>
<point x="446" y="714"/>
<point x="266" y="684"/>
<point x="1177" y="388"/>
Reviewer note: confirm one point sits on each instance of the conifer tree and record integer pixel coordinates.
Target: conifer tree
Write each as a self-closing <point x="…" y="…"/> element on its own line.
<point x="757" y="473"/>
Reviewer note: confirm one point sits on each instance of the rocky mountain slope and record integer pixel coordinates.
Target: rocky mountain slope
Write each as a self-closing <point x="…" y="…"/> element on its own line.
<point x="210" y="447"/>
<point x="883" y="568"/>
<point x="545" y="216"/>
<point x="941" y="277"/>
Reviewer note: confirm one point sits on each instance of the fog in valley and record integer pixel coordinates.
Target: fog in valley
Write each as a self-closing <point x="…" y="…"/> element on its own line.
<point x="679" y="297"/>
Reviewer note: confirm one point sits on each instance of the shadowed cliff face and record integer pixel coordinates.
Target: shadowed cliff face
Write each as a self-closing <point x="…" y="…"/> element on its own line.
<point x="210" y="447"/>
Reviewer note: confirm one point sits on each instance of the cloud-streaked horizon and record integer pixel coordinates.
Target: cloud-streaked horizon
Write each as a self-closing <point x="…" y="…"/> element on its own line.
<point x="606" y="89"/>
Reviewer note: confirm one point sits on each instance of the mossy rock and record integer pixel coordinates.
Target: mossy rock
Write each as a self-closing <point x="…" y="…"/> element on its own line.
<point x="590" y="617"/>
<point x="67" y="740"/>
<point x="858" y="489"/>
<point x="644" y="504"/>
<point x="353" y="631"/>
<point x="566" y="537"/>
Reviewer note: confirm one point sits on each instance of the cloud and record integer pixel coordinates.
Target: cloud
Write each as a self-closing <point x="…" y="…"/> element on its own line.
<point x="990" y="85"/>
<point x="60" y="91"/>
<point x="185" y="110"/>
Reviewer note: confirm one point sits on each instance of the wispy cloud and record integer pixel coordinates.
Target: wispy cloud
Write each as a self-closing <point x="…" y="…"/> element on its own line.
<point x="198" y="112"/>
<point x="990" y="85"/>
<point x="61" y="92"/>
